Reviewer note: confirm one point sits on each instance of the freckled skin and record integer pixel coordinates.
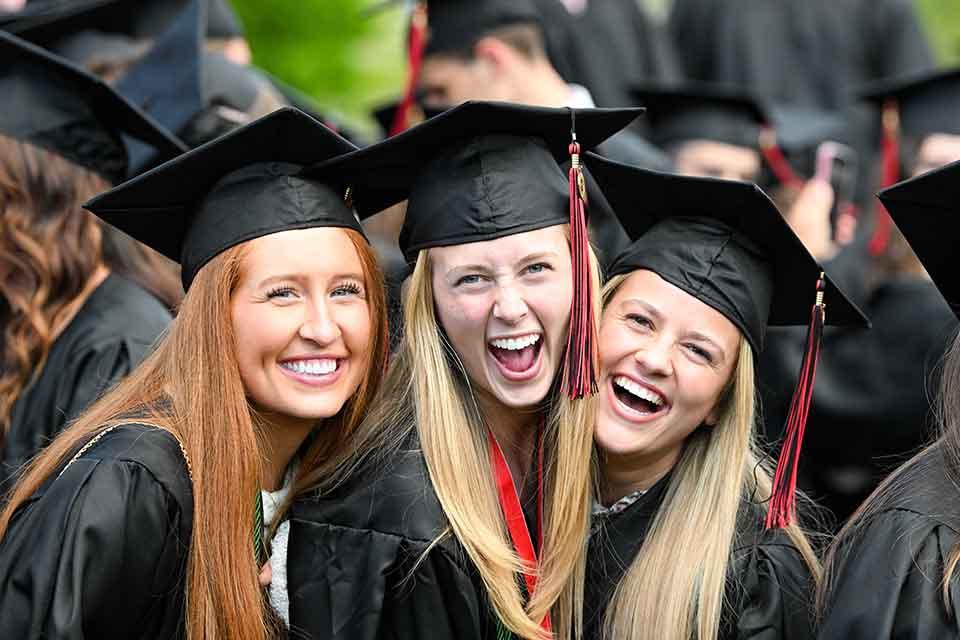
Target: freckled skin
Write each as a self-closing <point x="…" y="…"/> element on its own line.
<point x="295" y="300"/>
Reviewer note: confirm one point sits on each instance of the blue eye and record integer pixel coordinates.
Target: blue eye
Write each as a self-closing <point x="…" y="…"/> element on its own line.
<point x="349" y="289"/>
<point x="280" y="292"/>
<point x="700" y="352"/>
<point x="538" y="267"/>
<point x="472" y="278"/>
<point x="640" y="320"/>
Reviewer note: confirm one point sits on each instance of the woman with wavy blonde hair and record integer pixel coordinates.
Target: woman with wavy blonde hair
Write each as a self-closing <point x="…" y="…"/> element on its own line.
<point x="79" y="306"/>
<point x="892" y="570"/>
<point x="680" y="546"/>
<point x="464" y="509"/>
<point x="146" y="518"/>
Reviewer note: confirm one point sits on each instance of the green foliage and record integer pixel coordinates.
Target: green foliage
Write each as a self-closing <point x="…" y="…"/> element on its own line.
<point x="942" y="19"/>
<point x="347" y="58"/>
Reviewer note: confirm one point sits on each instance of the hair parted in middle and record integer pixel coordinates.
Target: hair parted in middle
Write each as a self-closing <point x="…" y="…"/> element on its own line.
<point x="666" y="594"/>
<point x="191" y="387"/>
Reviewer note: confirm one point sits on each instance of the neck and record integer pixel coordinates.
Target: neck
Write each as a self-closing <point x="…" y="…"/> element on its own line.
<point x="624" y="474"/>
<point x="543" y="86"/>
<point x="516" y="433"/>
<point x="284" y="435"/>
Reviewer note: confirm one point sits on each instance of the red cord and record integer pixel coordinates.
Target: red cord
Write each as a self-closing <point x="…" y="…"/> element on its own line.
<point x="418" y="40"/>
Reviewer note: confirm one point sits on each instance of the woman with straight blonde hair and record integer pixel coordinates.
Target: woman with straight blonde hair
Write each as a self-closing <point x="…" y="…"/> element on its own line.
<point x="463" y="511"/>
<point x="892" y="570"/>
<point x="680" y="546"/>
<point x="148" y="516"/>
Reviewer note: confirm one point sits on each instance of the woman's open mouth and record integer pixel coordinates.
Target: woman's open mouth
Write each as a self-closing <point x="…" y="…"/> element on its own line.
<point x="517" y="357"/>
<point x="635" y="401"/>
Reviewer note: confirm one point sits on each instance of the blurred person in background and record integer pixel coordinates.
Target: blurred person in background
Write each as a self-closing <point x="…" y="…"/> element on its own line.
<point x="80" y="305"/>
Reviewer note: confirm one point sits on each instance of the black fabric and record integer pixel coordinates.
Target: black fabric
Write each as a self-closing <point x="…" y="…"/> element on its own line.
<point x="110" y="335"/>
<point x="769" y="586"/>
<point x="889" y="573"/>
<point x="721" y="241"/>
<point x="927" y="101"/>
<point x="247" y="184"/>
<point x="479" y="171"/>
<point x="455" y="25"/>
<point x="581" y="46"/>
<point x="101" y="550"/>
<point x="925" y="211"/>
<point x="871" y="406"/>
<point x="48" y="101"/>
<point x="701" y="112"/>
<point x="361" y="564"/>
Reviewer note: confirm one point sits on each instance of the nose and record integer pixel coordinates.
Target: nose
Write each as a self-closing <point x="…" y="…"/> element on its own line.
<point x="654" y="357"/>
<point x="509" y="307"/>
<point x="319" y="324"/>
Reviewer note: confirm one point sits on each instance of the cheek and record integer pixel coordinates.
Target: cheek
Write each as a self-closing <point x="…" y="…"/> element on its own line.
<point x="614" y="344"/>
<point x="356" y="329"/>
<point x="551" y="302"/>
<point x="262" y="332"/>
<point x="464" y="316"/>
<point x="698" y="390"/>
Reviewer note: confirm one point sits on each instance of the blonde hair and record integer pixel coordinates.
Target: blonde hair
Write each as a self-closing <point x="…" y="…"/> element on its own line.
<point x="664" y="594"/>
<point x="427" y="390"/>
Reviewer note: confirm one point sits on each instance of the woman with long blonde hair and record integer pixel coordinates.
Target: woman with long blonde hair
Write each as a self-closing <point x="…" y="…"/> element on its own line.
<point x="892" y="570"/>
<point x="681" y="547"/>
<point x="79" y="306"/>
<point x="463" y="510"/>
<point x="146" y="518"/>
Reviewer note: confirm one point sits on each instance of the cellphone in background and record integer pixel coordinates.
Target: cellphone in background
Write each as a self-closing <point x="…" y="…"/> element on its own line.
<point x="837" y="165"/>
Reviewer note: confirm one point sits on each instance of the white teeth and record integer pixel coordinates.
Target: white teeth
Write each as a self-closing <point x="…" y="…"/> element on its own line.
<point x="317" y="367"/>
<point x="641" y="392"/>
<point x="515" y="344"/>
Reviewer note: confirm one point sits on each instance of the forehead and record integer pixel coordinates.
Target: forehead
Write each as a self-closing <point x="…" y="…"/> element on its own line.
<point x="678" y="308"/>
<point x="320" y="250"/>
<point x="504" y="251"/>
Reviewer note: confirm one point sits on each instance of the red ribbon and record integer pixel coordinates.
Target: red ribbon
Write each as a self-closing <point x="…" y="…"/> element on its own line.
<point x="513" y="513"/>
<point x="418" y="41"/>
<point x="778" y="163"/>
<point x="890" y="174"/>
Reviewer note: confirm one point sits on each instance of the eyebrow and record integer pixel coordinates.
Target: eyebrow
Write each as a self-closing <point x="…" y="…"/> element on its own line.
<point x="696" y="335"/>
<point x="649" y="308"/>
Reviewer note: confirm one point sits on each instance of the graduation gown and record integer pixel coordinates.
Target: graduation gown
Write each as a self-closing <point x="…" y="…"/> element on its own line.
<point x="101" y="551"/>
<point x="769" y="587"/>
<point x="362" y="565"/>
<point x="871" y="404"/>
<point x="109" y="336"/>
<point x="888" y="576"/>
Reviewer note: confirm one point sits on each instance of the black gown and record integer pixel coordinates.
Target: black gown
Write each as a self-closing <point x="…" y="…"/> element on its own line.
<point x="361" y="563"/>
<point x="871" y="406"/>
<point x="109" y="336"/>
<point x="101" y="551"/>
<point x="888" y="578"/>
<point x="769" y="586"/>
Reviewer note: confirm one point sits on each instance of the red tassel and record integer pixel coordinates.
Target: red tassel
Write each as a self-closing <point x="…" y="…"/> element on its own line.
<point x="418" y="40"/>
<point x="889" y="175"/>
<point x="579" y="366"/>
<point x="783" y="498"/>
<point x="778" y="163"/>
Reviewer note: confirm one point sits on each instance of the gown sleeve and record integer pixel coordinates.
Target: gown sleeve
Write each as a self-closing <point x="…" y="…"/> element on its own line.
<point x="776" y="591"/>
<point x="98" y="554"/>
<point x="888" y="583"/>
<point x="362" y="584"/>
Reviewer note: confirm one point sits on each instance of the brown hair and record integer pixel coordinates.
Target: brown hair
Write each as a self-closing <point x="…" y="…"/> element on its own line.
<point x="191" y="387"/>
<point x="49" y="250"/>
<point x="947" y="412"/>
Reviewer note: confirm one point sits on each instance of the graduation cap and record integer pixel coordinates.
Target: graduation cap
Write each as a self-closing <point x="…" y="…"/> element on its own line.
<point x="486" y="170"/>
<point x="725" y="243"/>
<point x="249" y="183"/>
<point x="53" y="104"/>
<point x="925" y="209"/>
<point x="917" y="105"/>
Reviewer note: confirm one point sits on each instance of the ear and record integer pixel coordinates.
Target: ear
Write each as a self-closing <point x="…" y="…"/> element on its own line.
<point x="496" y="53"/>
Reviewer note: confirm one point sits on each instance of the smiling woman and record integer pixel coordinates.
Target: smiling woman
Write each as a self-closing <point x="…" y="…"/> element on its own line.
<point x="262" y="378"/>
<point x="711" y="265"/>
<point x="464" y="508"/>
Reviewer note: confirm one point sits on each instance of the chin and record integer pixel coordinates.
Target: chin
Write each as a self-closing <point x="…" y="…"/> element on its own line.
<point x="614" y="437"/>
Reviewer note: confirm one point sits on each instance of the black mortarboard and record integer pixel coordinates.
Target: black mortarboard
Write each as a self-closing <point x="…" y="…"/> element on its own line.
<point x="725" y="243"/>
<point x="51" y="103"/>
<point x="927" y="102"/>
<point x="246" y="184"/>
<point x="484" y="170"/>
<point x="926" y="210"/>
<point x="455" y="25"/>
<point x="478" y="171"/>
<point x="721" y="241"/>
<point x="701" y="112"/>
